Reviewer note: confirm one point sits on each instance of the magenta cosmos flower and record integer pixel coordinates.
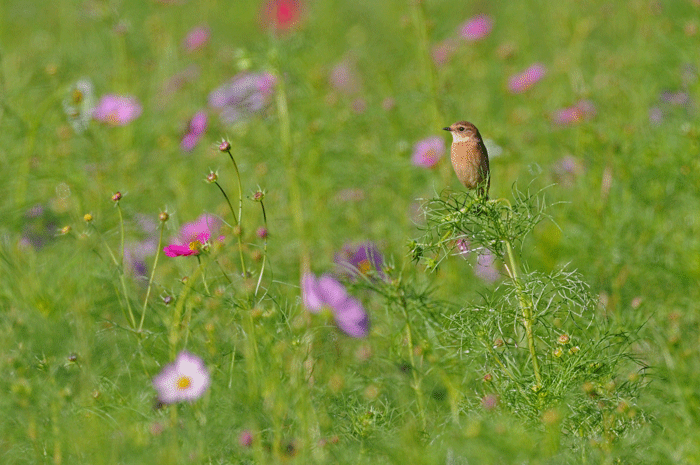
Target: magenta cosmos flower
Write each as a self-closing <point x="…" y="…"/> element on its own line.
<point x="326" y="291"/>
<point x="185" y="379"/>
<point x="194" y="237"/>
<point x="117" y="110"/>
<point x="427" y="152"/>
<point x="476" y="28"/>
<point x="521" y="82"/>
<point x="195" y="129"/>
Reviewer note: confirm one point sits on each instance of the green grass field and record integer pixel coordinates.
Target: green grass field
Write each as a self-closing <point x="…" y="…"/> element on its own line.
<point x="599" y="158"/>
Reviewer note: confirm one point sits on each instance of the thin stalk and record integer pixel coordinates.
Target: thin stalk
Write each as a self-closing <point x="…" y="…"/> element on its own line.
<point x="174" y="335"/>
<point x="204" y="278"/>
<point x="121" y="276"/>
<point x="526" y="308"/>
<point x="153" y="273"/>
<point x="240" y="186"/>
<point x="121" y="233"/>
<point x="416" y="377"/>
<point x="235" y="218"/>
<point x="291" y="172"/>
<point x="262" y="267"/>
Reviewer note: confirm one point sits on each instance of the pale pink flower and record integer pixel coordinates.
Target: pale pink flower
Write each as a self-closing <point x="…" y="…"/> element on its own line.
<point x="197" y="38"/>
<point x="476" y="28"/>
<point x="326" y="291"/>
<point x="486" y="267"/>
<point x="523" y="81"/>
<point x="195" y="129"/>
<point x="583" y="110"/>
<point x="427" y="152"/>
<point x="117" y="110"/>
<point x="185" y="379"/>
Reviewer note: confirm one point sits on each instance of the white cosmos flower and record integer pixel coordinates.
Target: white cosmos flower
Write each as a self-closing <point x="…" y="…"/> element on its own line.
<point x="185" y="379"/>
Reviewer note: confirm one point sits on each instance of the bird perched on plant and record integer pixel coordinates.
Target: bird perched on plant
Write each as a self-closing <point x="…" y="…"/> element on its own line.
<point x="469" y="157"/>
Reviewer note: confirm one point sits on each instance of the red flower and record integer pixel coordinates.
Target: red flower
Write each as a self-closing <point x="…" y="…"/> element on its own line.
<point x="281" y="15"/>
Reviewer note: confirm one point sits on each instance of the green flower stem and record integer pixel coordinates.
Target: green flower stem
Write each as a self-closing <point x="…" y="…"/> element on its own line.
<point x="174" y="335"/>
<point x="240" y="186"/>
<point x="153" y="273"/>
<point x="526" y="308"/>
<point x="121" y="277"/>
<point x="416" y="377"/>
<point x="204" y="278"/>
<point x="235" y="218"/>
<point x="291" y="171"/>
<point x="121" y="233"/>
<point x="262" y="267"/>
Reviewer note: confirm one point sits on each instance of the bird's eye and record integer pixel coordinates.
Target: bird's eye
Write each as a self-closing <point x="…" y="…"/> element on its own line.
<point x="462" y="128"/>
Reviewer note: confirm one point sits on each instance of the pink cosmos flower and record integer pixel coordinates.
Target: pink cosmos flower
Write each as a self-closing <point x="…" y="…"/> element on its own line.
<point x="583" y="110"/>
<point x="476" y="28"/>
<point x="519" y="83"/>
<point x="359" y="258"/>
<point x="427" y="152"/>
<point x="442" y="51"/>
<point x="185" y="379"/>
<point x="197" y="38"/>
<point x="196" y="127"/>
<point x="117" y="110"/>
<point x="486" y="267"/>
<point x="326" y="291"/>
<point x="194" y="237"/>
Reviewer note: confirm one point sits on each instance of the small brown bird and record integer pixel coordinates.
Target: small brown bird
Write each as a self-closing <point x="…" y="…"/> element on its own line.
<point x="469" y="157"/>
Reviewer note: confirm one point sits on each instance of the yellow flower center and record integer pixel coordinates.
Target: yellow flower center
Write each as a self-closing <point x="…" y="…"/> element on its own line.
<point x="183" y="383"/>
<point x="196" y="246"/>
<point x="364" y="266"/>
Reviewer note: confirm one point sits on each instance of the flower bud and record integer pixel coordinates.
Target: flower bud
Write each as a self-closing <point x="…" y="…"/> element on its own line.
<point x="262" y="232"/>
<point x="224" y="146"/>
<point x="163" y="217"/>
<point x="563" y="339"/>
<point x="117" y="196"/>
<point x="87" y="217"/>
<point x="558" y="352"/>
<point x="65" y="230"/>
<point x="259" y="195"/>
<point x="488" y="377"/>
<point x="212" y="177"/>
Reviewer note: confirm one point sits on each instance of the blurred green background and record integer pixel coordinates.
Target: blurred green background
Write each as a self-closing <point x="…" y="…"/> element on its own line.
<point x="624" y="183"/>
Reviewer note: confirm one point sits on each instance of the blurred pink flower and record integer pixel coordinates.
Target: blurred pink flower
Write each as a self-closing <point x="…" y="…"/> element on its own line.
<point x="443" y="51"/>
<point x="185" y="379"/>
<point x="326" y="291"/>
<point x="486" y="268"/>
<point x="427" y="152"/>
<point x="244" y="95"/>
<point x="281" y="15"/>
<point x="476" y="28"/>
<point x="117" y="110"/>
<point x="344" y="78"/>
<point x="196" y="127"/>
<point x="197" y="38"/>
<point x="521" y="82"/>
<point x="583" y="110"/>
<point x="360" y="258"/>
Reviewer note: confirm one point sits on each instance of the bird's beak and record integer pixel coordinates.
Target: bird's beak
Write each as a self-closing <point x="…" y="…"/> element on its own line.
<point x="446" y="129"/>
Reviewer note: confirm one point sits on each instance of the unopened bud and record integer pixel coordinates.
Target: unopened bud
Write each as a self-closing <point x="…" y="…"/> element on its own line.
<point x="259" y="195"/>
<point x="225" y="146"/>
<point x="87" y="217"/>
<point x="564" y="339"/>
<point x="117" y="196"/>
<point x="212" y="177"/>
<point x="65" y="230"/>
<point x="163" y="217"/>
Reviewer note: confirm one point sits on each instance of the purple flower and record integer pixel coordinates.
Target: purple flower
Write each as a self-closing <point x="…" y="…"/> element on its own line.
<point x="476" y="28"/>
<point x="326" y="291"/>
<point x="521" y="82"/>
<point x="117" y="110"/>
<point x="359" y="258"/>
<point x="583" y="110"/>
<point x="427" y="152"/>
<point x="197" y="38"/>
<point x="185" y="379"/>
<point x="443" y="51"/>
<point x="196" y="127"/>
<point x="245" y="95"/>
